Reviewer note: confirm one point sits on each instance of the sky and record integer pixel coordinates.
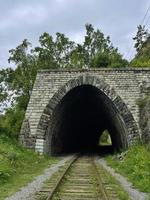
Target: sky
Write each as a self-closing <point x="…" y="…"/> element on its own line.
<point x="20" y="19"/>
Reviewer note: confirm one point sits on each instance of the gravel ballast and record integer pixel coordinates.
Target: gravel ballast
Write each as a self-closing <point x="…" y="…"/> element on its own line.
<point x="27" y="192"/>
<point x="133" y="193"/>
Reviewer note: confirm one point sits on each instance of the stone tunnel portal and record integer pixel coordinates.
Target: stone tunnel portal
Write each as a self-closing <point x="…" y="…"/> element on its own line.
<point x="80" y="118"/>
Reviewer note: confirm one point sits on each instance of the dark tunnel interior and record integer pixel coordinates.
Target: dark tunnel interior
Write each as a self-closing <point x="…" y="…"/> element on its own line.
<point x="79" y="120"/>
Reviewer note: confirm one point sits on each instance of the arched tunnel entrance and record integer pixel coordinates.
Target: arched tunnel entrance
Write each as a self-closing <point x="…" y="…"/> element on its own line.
<point x="80" y="118"/>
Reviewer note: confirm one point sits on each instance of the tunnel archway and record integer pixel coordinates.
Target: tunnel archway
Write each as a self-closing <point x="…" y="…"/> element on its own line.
<point x="80" y="118"/>
<point x="79" y="112"/>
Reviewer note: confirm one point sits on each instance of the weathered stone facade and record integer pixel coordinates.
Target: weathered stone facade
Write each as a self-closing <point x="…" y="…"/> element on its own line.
<point x="123" y="87"/>
<point x="144" y="105"/>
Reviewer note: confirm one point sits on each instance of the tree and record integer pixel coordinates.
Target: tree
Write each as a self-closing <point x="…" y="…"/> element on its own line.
<point x="99" y="51"/>
<point x="77" y="57"/>
<point x="142" y="45"/>
<point x="95" y="46"/>
<point x="101" y="60"/>
<point x="6" y="93"/>
<point x="54" y="54"/>
<point x="140" y="38"/>
<point x="26" y="69"/>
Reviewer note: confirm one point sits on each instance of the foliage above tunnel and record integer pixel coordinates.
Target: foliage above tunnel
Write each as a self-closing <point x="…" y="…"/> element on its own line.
<point x="142" y="46"/>
<point x="52" y="52"/>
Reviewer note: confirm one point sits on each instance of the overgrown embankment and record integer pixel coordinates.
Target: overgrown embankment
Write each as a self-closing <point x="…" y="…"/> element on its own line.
<point x="135" y="165"/>
<point x="18" y="166"/>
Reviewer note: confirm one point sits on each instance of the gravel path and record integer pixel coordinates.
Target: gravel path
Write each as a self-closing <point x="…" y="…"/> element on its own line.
<point x="26" y="193"/>
<point x="133" y="193"/>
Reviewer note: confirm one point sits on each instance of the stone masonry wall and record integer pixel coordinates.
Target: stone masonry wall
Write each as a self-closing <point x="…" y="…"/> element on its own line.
<point x="128" y="84"/>
<point x="144" y="105"/>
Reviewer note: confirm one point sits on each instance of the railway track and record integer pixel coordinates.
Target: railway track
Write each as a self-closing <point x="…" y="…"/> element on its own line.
<point x="82" y="179"/>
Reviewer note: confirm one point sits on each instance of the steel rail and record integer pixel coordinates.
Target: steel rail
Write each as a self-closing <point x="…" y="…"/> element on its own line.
<point x="50" y="196"/>
<point x="102" y="191"/>
<point x="101" y="186"/>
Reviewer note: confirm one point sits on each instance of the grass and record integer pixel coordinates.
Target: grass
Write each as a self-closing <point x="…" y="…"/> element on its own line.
<point x="18" y="166"/>
<point x="135" y="165"/>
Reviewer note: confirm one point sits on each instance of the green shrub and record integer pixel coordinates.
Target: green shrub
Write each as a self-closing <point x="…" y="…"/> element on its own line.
<point x="10" y="123"/>
<point x="18" y="165"/>
<point x="135" y="165"/>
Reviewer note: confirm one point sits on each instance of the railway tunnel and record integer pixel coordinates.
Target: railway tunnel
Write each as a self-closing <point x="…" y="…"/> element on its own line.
<point x="69" y="109"/>
<point x="79" y="119"/>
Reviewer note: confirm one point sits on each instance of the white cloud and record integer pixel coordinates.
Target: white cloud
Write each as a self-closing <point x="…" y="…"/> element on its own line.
<point x="30" y="18"/>
<point x="23" y="15"/>
<point x="78" y="36"/>
<point x="30" y="15"/>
